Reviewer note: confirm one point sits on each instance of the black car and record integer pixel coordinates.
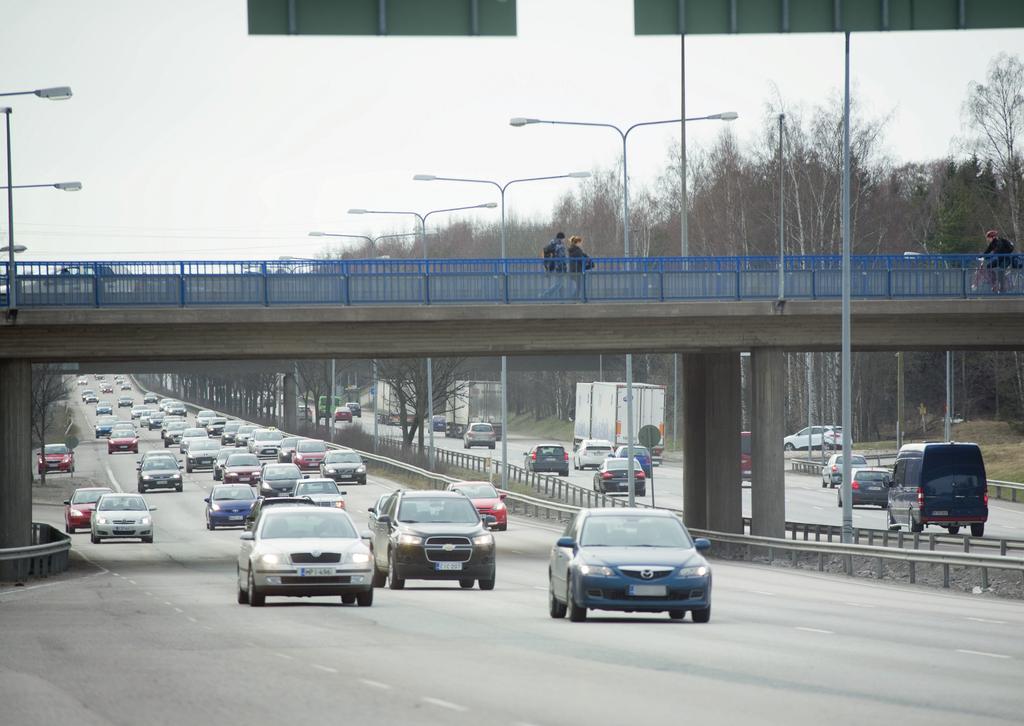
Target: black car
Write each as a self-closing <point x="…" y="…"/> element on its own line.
<point x="343" y="466"/>
<point x="221" y="461"/>
<point x="125" y="402"/>
<point x="355" y="408"/>
<point x="261" y="502"/>
<point x="868" y="486"/>
<point x="215" y="427"/>
<point x="150" y="398"/>
<point x="612" y="477"/>
<point x="551" y="458"/>
<point x="278" y="480"/>
<point x="159" y="472"/>
<point x="428" y="535"/>
<point x="227" y="435"/>
<point x="155" y="419"/>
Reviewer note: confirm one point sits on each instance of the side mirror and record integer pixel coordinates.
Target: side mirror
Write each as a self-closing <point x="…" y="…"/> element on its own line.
<point x="152" y="509"/>
<point x="247" y="536"/>
<point x="344" y="494"/>
<point x="305" y="476"/>
<point x="702" y="544"/>
<point x="371" y="510"/>
<point x="67" y="501"/>
<point x="568" y="542"/>
<point x="502" y="496"/>
<point x="206" y="499"/>
<point x="366" y="534"/>
<point x="384" y="519"/>
<point x="180" y="466"/>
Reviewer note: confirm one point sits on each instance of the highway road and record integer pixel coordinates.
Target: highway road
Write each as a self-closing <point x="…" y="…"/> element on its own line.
<point x="151" y="634"/>
<point x="806" y="500"/>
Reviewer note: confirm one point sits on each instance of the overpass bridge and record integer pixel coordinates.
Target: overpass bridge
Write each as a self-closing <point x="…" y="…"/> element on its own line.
<point x="709" y="309"/>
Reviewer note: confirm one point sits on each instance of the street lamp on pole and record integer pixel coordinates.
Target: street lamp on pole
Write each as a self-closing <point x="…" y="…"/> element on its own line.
<point x="430" y="366"/>
<point x="504" y="253"/>
<point x="63" y="186"/>
<point x="624" y="135"/>
<point x="372" y="240"/>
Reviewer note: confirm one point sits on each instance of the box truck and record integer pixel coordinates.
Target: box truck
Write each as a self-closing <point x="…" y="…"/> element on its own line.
<point x="601" y="414"/>
<point x="387" y="406"/>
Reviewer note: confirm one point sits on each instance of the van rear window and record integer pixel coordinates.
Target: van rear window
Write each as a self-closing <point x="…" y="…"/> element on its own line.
<point x="944" y="466"/>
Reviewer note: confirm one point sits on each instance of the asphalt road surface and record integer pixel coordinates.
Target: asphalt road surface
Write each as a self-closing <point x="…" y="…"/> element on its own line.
<point x="151" y="634"/>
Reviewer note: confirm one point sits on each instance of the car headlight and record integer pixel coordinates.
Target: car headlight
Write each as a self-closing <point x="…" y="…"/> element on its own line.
<point x="360" y="470"/>
<point x="340" y="504"/>
<point x="698" y="571"/>
<point x="270" y="559"/>
<point x="596" y="570"/>
<point x="102" y="520"/>
<point x="214" y="506"/>
<point x="409" y="539"/>
<point x="146" y="477"/>
<point x="483" y="539"/>
<point x="500" y="506"/>
<point x="332" y="471"/>
<point x="77" y="513"/>
<point x="146" y="521"/>
<point x="360" y="558"/>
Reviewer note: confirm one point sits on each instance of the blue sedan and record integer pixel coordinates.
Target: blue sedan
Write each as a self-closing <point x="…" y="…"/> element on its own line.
<point x="641" y="454"/>
<point x="228" y="505"/>
<point x="629" y="560"/>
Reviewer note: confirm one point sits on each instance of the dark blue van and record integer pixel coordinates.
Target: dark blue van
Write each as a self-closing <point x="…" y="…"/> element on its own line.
<point x="940" y="484"/>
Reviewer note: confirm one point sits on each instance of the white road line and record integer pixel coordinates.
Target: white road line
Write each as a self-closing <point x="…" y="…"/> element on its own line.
<point x="167" y="603"/>
<point x="981" y="652"/>
<point x="762" y="592"/>
<point x="986" y="620"/>
<point x="325" y="669"/>
<point x="375" y="684"/>
<point x="538" y="587"/>
<point x="284" y="655"/>
<point x="191" y="619"/>
<point x="112" y="479"/>
<point x="133" y="582"/>
<point x="178" y="610"/>
<point x="444" y="704"/>
<point x="859" y="605"/>
<point x="815" y="630"/>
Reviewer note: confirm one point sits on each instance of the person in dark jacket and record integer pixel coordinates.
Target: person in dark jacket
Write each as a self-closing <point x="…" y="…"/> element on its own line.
<point x="578" y="262"/>
<point x="1002" y="248"/>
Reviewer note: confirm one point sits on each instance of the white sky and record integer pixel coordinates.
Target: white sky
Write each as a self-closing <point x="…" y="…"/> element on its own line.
<point x="193" y="139"/>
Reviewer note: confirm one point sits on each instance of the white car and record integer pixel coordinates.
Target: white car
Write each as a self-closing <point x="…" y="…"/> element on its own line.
<point x="815" y="436"/>
<point x="203" y="417"/>
<point x="592" y="453"/>
<point x="297" y="550"/>
<point x="265" y="443"/>
<point x="190" y="434"/>
<point x="832" y="472"/>
<point x="117" y="516"/>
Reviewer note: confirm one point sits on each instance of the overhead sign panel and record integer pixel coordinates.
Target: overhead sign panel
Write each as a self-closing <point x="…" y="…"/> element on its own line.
<point x="382" y="17"/>
<point x="697" y="17"/>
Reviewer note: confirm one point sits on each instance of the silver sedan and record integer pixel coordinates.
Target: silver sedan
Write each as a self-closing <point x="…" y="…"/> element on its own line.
<point x="117" y="516"/>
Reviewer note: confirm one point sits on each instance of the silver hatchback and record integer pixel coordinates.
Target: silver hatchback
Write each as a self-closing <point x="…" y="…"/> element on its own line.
<point x="479" y="434"/>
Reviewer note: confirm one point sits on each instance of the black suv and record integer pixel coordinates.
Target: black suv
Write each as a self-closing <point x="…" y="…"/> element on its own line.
<point x="428" y="535"/>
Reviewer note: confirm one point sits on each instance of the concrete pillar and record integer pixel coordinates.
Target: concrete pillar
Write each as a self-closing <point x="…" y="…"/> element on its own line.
<point x="768" y="479"/>
<point x="695" y="498"/>
<point x="15" y="457"/>
<point x="722" y="438"/>
<point x="290" y="393"/>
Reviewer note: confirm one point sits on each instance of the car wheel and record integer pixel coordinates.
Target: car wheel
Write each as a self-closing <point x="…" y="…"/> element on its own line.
<point x="789" y="447"/>
<point x="256" y="598"/>
<point x="365" y="599"/>
<point x="824" y="483"/>
<point x="210" y="525"/>
<point x="242" y="596"/>
<point x="564" y="472"/>
<point x="69" y="530"/>
<point x="914" y="526"/>
<point x="148" y="540"/>
<point x="94" y="539"/>
<point x="977" y="530"/>
<point x="465" y="445"/>
<point x="954" y="529"/>
<point x="503" y="527"/>
<point x="839" y="501"/>
<point x="379" y="578"/>
<point x="487" y="584"/>
<point x="677" y="614"/>
<point x="702" y="615"/>
<point x="491" y="447"/>
<point x="466" y="584"/>
<point x="178" y="488"/>
<point x="394" y="581"/>
<point x="576" y="613"/>
<point x="142" y="489"/>
<point x="348" y="599"/>
<point x="556" y="609"/>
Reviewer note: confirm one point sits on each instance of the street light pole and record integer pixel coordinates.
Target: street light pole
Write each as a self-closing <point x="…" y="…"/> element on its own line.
<point x="782" y="213"/>
<point x="847" y="283"/>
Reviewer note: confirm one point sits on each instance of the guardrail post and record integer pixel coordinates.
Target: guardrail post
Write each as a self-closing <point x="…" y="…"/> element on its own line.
<point x="945" y="575"/>
<point x="821" y="562"/>
<point x="967" y="544"/>
<point x="181" y="284"/>
<point x="913" y="572"/>
<point x="984" y="578"/>
<point x="849" y="565"/>
<point x="266" y="284"/>
<point x="505" y="280"/>
<point x="931" y="542"/>
<point x="1002" y="547"/>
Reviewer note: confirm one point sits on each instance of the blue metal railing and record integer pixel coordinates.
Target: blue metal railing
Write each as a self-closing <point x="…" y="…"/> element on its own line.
<point x="509" y="281"/>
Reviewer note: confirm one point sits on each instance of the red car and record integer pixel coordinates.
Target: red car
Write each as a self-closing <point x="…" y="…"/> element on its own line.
<point x="343" y="413"/>
<point x="242" y="468"/>
<point x="486" y="499"/>
<point x="308" y="454"/>
<point x="56" y="458"/>
<point x="78" y="509"/>
<point x="123" y="438"/>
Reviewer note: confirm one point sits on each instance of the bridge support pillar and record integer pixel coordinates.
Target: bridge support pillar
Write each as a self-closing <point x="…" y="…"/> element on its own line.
<point x="695" y="488"/>
<point x="768" y="406"/>
<point x="722" y="421"/>
<point x="290" y="394"/>
<point x="15" y="457"/>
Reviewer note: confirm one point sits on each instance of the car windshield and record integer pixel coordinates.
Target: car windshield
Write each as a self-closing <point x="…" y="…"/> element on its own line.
<point x="246" y="429"/>
<point x="305" y="447"/>
<point x="223" y="454"/>
<point x="854" y="460"/>
<point x="482" y="427"/>
<point x="289" y="442"/>
<point x="159" y="462"/>
<point x="176" y="426"/>
<point x="310" y="523"/>
<point x="550" y="451"/>
<point x="229" y="427"/>
<point x="243" y="460"/>
<point x="598" y="448"/>
<point x="122" y="431"/>
<point x="284" y="471"/>
<point x="88" y="497"/>
<point x="638" y="451"/>
<point x="268" y="436"/>
<point x="620" y="464"/>
<point x="477" y="491"/>
<point x="56" y="449"/>
<point x="343" y="457"/>
<point x="448" y="510"/>
<point x="193" y="433"/>
<point x="205" y="413"/>
<point x="221" y="493"/>
<point x="316" y="487"/>
<point x="634" y="531"/>
<point x="872" y="476"/>
<point x="204" y="446"/>
<point x="122" y="503"/>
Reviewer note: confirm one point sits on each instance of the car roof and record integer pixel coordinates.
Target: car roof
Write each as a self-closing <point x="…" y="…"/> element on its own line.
<point x="286" y="501"/>
<point x="553" y="443"/>
<point x="94" y="489"/>
<point x="619" y="511"/>
<point x="429" y="494"/>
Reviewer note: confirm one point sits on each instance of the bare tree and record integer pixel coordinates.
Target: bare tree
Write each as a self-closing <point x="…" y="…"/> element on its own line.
<point x="49" y="386"/>
<point x="995" y="112"/>
<point x="407" y="378"/>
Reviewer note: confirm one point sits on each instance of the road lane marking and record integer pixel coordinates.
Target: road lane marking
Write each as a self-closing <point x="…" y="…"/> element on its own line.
<point x="859" y="605"/>
<point x="762" y="592"/>
<point x="284" y="655"/>
<point x="375" y="684"/>
<point x="815" y="630"/>
<point x="133" y="582"/>
<point x="112" y="479"/>
<point x="325" y="669"/>
<point x="178" y="610"/>
<point x="538" y="587"/>
<point x="445" y="704"/>
<point x="983" y="653"/>
<point x="986" y="620"/>
<point x="191" y="619"/>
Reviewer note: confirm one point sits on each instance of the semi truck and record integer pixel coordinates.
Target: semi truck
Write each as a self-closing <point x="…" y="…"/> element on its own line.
<point x="601" y="414"/>
<point x="473" y="401"/>
<point x="388" y="412"/>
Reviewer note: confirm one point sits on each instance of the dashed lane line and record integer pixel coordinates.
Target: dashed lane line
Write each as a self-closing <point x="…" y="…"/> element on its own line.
<point x="444" y="704"/>
<point x="375" y="684"/>
<point x="983" y="653"/>
<point x="325" y="669"/>
<point x="986" y="620"/>
<point x="815" y="630"/>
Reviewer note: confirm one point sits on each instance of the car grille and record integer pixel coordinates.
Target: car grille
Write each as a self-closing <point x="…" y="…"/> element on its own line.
<point x="123" y="521"/>
<point x="637" y="572"/>
<point x="435" y="551"/>
<point x="202" y="462"/>
<point x="329" y="580"/>
<point x="302" y="558"/>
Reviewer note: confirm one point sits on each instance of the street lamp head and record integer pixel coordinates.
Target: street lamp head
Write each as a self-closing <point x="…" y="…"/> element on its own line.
<point x="580" y="175"/>
<point x="58" y="93"/>
<point x="424" y="177"/>
<point x="69" y="186"/>
<point x="489" y="205"/>
<point x="357" y="211"/>
<point x="17" y="249"/>
<point x="726" y="116"/>
<point x="316" y="234"/>
<point x="520" y="121"/>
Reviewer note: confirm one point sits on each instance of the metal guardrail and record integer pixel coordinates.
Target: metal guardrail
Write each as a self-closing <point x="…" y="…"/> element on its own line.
<point x="47" y="555"/>
<point x="1016" y="489"/>
<point x="814" y="466"/>
<point x="498" y="281"/>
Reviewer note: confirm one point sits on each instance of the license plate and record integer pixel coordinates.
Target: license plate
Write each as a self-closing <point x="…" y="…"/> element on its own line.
<point x="648" y="590"/>
<point x="123" y="530"/>
<point x="235" y="519"/>
<point x="940" y="513"/>
<point x="243" y="478"/>
<point x="445" y="566"/>
<point x="316" y="571"/>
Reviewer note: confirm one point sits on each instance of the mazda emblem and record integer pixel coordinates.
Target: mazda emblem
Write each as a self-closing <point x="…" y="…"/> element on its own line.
<point x="647" y="574"/>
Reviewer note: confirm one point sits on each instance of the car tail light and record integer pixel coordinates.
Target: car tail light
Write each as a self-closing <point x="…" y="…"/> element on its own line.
<point x="566" y="454"/>
<point x="855" y="484"/>
<point x="533" y="455"/>
<point x="984" y="496"/>
<point x="606" y="475"/>
<point x="920" y="497"/>
<point x="639" y="475"/>
<point x="834" y="468"/>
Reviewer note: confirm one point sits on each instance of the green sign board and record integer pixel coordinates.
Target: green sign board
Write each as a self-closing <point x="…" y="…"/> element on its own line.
<point x="672" y="17"/>
<point x="382" y="17"/>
